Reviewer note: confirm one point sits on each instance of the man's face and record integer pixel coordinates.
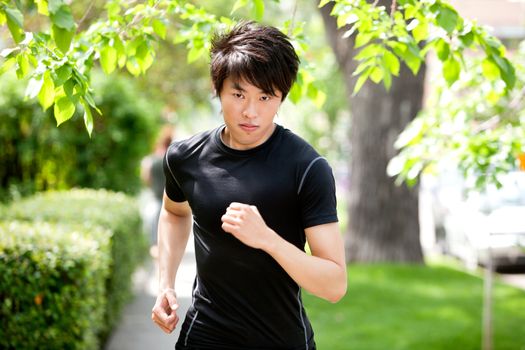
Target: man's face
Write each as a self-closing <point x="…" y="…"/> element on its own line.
<point x="248" y="114"/>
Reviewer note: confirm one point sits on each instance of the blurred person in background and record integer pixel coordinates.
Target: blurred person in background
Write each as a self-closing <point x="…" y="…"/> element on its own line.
<point x="152" y="174"/>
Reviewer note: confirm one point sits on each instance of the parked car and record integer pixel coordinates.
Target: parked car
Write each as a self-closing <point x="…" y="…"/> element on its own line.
<point x="470" y="224"/>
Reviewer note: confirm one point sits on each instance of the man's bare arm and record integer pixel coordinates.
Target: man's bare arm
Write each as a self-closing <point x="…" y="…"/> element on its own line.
<point x="173" y="233"/>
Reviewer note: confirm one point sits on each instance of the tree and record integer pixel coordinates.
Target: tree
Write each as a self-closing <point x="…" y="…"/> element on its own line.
<point x="383" y="217"/>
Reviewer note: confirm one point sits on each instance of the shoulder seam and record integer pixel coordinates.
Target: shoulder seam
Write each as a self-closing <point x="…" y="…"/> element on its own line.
<point x="306" y="173"/>
<point x="169" y="166"/>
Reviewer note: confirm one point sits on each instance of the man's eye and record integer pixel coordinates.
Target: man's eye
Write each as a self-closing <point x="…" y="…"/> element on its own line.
<point x="265" y="98"/>
<point x="238" y="95"/>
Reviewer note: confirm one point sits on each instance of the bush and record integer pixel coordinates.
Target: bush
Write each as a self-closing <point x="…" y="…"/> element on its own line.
<point x="113" y="211"/>
<point x="36" y="155"/>
<point x="52" y="285"/>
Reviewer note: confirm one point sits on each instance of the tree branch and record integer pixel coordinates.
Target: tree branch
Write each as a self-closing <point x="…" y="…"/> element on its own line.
<point x="88" y="10"/>
<point x="393" y="7"/>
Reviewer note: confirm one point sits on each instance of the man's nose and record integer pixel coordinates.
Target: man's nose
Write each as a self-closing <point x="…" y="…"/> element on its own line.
<point x="250" y="110"/>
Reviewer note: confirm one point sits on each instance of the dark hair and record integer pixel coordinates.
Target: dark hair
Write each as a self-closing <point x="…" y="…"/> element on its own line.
<point x="261" y="55"/>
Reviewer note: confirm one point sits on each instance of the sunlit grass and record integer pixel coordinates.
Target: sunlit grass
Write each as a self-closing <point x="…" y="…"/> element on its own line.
<point x="415" y="307"/>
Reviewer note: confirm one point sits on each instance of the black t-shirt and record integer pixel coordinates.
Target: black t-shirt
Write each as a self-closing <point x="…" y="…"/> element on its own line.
<point x="242" y="298"/>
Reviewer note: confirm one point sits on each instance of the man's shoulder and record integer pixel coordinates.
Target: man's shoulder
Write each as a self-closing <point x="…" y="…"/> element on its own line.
<point x="297" y="147"/>
<point x="182" y="149"/>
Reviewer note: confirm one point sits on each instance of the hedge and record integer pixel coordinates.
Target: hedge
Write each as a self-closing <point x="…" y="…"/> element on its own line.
<point x="113" y="211"/>
<point x="52" y="285"/>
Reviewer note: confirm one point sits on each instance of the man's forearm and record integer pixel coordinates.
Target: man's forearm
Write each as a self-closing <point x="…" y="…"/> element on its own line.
<point x="173" y="236"/>
<point x="322" y="276"/>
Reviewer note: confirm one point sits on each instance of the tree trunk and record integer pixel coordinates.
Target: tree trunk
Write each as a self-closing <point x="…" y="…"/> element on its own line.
<point x="383" y="218"/>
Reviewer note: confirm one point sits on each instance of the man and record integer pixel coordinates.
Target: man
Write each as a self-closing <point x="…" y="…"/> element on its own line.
<point x="257" y="193"/>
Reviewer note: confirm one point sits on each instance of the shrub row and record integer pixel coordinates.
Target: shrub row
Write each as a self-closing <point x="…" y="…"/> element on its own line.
<point x="70" y="246"/>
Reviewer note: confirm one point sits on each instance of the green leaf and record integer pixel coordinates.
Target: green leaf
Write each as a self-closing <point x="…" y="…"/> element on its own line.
<point x="113" y="9"/>
<point x="63" y="18"/>
<point x="195" y="53"/>
<point x="346" y="18"/>
<point x="7" y="65"/>
<point x="411" y="60"/>
<point x="144" y="56"/>
<point x="15" y="23"/>
<point x="295" y="93"/>
<point x="42" y="7"/>
<point x="451" y="70"/>
<point x="69" y="88"/>
<point x="23" y="65"/>
<point x="54" y="5"/>
<point x="2" y="17"/>
<point x="490" y="69"/>
<point x="506" y="69"/>
<point x="362" y="79"/>
<point x="159" y="27"/>
<point x="363" y="66"/>
<point x="14" y="15"/>
<point x="362" y="38"/>
<point x="319" y="99"/>
<point x="442" y="49"/>
<point x="64" y="109"/>
<point x="421" y="31"/>
<point x="108" y="59"/>
<point x="63" y="73"/>
<point x="62" y="38"/>
<point x="372" y="50"/>
<point x="377" y="74"/>
<point x="447" y="18"/>
<point x="467" y="39"/>
<point x="89" y="99"/>
<point x="258" y="9"/>
<point x="121" y="52"/>
<point x="391" y="62"/>
<point x="133" y="66"/>
<point x="88" y="117"/>
<point x="239" y="4"/>
<point x="46" y="96"/>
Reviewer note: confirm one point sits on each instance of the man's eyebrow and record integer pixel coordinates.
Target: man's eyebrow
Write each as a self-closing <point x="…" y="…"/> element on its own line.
<point x="237" y="86"/>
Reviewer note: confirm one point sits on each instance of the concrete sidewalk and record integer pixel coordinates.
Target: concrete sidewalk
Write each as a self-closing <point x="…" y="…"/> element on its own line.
<point x="137" y="331"/>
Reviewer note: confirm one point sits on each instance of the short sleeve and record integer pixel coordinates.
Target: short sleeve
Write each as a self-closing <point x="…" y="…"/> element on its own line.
<point x="317" y="196"/>
<point x="172" y="187"/>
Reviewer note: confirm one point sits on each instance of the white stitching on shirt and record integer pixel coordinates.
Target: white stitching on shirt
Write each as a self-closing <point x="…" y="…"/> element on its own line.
<point x="302" y="317"/>
<point x="169" y="166"/>
<point x="196" y="313"/>
<point x="189" y="329"/>
<point x="306" y="173"/>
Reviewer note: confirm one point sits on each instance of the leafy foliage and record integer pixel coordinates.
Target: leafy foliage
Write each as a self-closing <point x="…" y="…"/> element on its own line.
<point x="482" y="130"/>
<point x="408" y="32"/>
<point x="117" y="214"/>
<point x="52" y="285"/>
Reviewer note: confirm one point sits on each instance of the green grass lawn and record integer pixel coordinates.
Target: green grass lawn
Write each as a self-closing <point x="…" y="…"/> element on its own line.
<point x="390" y="307"/>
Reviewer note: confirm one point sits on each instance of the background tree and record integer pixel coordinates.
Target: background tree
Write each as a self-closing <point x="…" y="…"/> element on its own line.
<point x="383" y="217"/>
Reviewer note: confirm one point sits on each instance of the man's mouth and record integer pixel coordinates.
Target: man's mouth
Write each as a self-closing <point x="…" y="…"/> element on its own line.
<point x="248" y="127"/>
